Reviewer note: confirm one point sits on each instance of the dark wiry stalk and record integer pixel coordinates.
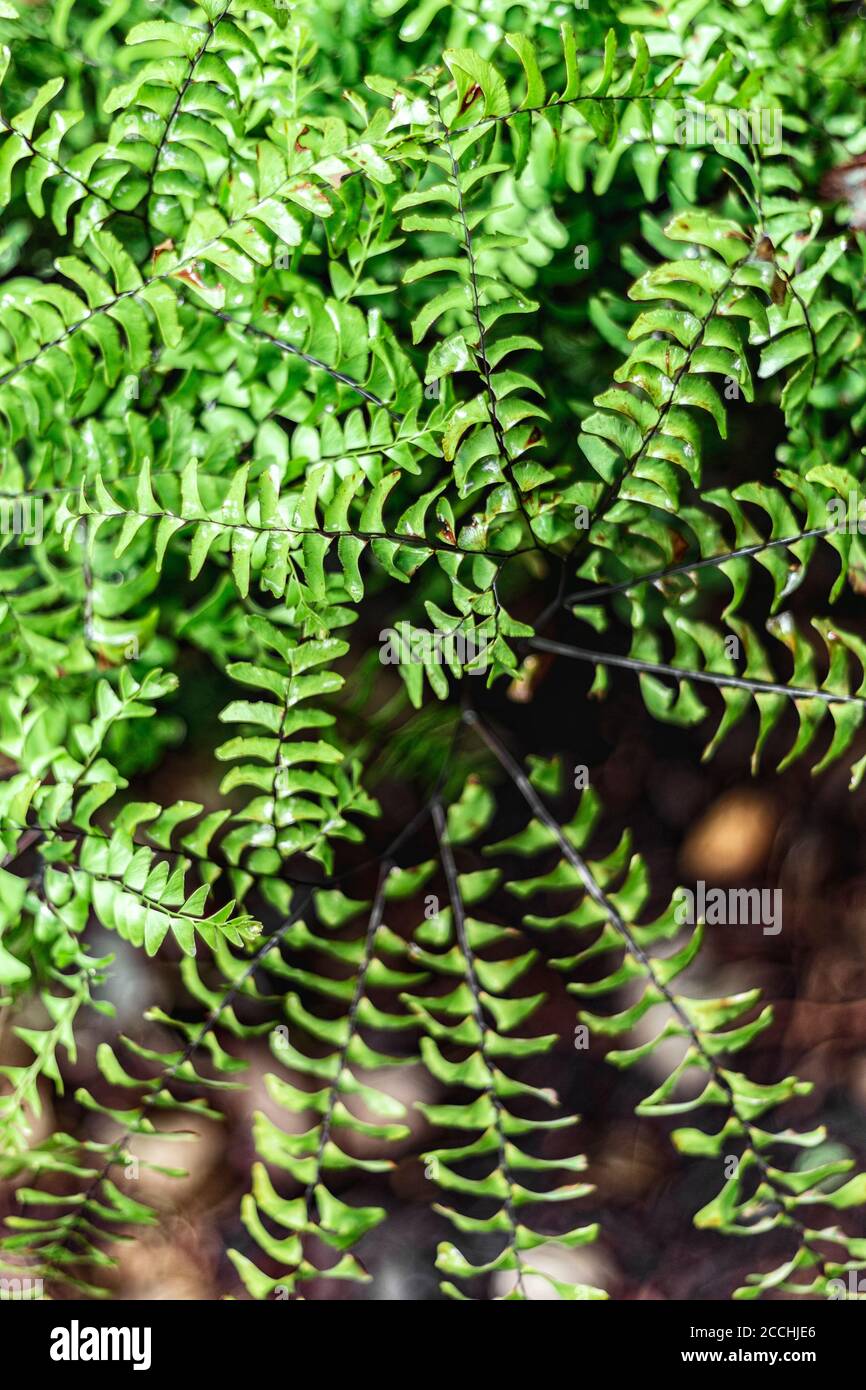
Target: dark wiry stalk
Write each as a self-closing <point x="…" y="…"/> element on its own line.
<point x="57" y="168"/>
<point x="395" y="537"/>
<point x="447" y="857"/>
<point x="613" y="488"/>
<point x="373" y="925"/>
<point x="481" y="361"/>
<point x="305" y="357"/>
<point x="686" y="567"/>
<point x="172" y="116"/>
<point x="659" y="668"/>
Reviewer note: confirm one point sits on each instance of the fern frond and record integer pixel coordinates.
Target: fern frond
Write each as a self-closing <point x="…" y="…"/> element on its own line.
<point x="318" y="1156"/>
<point x="482" y="993"/>
<point x="759" y="1195"/>
<point x="701" y="655"/>
<point x="785" y="552"/>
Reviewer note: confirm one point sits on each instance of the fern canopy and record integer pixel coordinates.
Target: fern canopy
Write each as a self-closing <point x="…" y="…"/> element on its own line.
<point x="360" y="370"/>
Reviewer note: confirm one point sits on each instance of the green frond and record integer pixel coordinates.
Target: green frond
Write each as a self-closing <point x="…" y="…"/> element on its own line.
<point x="649" y="958"/>
<point x="479" y="1015"/>
<point x="316" y="1157"/>
<point x="702" y="655"/>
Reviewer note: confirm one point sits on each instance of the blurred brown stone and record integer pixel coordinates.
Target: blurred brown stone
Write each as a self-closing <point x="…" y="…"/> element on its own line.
<point x="733" y="838"/>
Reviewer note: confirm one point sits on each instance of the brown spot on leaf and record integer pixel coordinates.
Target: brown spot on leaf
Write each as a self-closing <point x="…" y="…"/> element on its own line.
<point x="778" y="289"/>
<point x="191" y="276"/>
<point x="472" y="95"/>
<point x="680" y="546"/>
<point x="167" y="245"/>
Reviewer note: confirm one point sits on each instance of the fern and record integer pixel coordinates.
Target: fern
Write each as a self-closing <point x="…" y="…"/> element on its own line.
<point x="348" y="356"/>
